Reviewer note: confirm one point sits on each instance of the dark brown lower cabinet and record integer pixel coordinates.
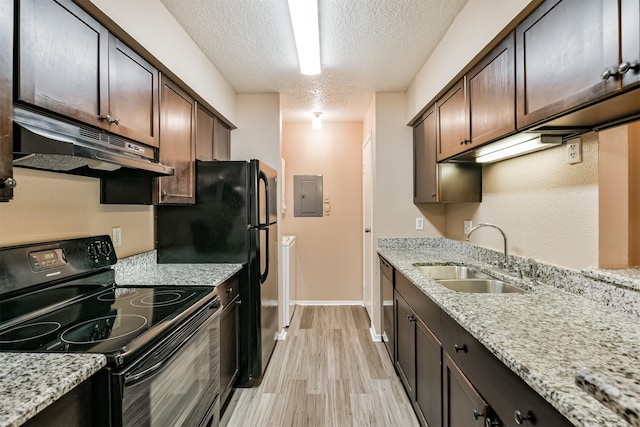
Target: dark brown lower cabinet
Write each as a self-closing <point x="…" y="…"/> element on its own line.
<point x="229" y="336"/>
<point x="462" y="404"/>
<point x="448" y="374"/>
<point x="428" y="400"/>
<point x="418" y="361"/>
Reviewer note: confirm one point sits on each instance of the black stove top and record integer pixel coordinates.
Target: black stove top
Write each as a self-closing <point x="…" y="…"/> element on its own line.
<point x="87" y="312"/>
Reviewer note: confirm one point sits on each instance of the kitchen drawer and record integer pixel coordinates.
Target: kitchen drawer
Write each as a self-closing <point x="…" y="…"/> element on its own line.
<point x="229" y="290"/>
<point x="505" y="391"/>
<point x="421" y="304"/>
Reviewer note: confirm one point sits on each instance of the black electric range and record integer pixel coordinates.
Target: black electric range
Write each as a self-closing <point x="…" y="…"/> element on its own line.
<point x="62" y="297"/>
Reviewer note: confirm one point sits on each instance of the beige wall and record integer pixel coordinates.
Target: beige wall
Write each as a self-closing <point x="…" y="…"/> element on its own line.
<point x="329" y="248"/>
<point x="53" y="206"/>
<point x="547" y="208"/>
<point x="474" y="27"/>
<point x="151" y="24"/>
<point x="394" y="212"/>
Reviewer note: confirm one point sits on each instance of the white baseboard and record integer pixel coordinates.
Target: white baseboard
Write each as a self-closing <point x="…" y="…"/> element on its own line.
<point x="282" y="335"/>
<point x="375" y="337"/>
<point x="314" y="302"/>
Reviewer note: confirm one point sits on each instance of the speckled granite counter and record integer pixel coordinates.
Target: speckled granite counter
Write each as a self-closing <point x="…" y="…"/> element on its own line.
<point x="545" y="335"/>
<point x="142" y="270"/>
<point x="30" y="382"/>
<point x="616" y="386"/>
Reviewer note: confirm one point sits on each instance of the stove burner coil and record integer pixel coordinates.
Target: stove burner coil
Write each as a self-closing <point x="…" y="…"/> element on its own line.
<point x="28" y="332"/>
<point x="103" y="329"/>
<point x="161" y="298"/>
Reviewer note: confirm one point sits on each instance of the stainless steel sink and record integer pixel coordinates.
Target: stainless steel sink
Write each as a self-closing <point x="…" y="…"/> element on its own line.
<point x="437" y="272"/>
<point x="481" y="286"/>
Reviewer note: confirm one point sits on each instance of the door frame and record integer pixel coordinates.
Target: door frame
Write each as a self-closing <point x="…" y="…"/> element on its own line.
<point x="367" y="237"/>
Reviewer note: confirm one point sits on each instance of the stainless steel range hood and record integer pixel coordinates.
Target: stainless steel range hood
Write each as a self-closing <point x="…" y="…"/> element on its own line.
<point x="47" y="143"/>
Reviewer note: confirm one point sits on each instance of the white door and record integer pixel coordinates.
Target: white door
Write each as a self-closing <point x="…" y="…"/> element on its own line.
<point x="367" y="220"/>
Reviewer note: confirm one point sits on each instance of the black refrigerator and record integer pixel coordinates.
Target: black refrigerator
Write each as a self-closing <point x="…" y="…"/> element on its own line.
<point x="234" y="220"/>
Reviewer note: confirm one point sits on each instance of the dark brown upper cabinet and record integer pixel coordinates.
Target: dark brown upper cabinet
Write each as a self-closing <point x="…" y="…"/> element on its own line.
<point x="492" y="95"/>
<point x="435" y="182"/>
<point x="212" y="138"/>
<point x="178" y="147"/>
<point x="7" y="181"/>
<point x="567" y="55"/>
<point x="424" y="159"/>
<point x="453" y="121"/>
<point x="630" y="36"/>
<point x="69" y="64"/>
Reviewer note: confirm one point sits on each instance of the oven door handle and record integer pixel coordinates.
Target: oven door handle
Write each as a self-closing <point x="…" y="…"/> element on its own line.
<point x="134" y="378"/>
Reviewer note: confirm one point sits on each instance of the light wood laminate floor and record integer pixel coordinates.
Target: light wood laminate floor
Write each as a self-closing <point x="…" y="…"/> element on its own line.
<point x="328" y="372"/>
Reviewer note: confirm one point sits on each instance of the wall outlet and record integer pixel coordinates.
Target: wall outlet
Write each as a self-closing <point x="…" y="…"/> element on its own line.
<point x="574" y="151"/>
<point x="116" y="236"/>
<point x="419" y="223"/>
<point x="468" y="225"/>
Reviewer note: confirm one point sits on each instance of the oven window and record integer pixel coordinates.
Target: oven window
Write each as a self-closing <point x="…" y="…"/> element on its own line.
<point x="182" y="390"/>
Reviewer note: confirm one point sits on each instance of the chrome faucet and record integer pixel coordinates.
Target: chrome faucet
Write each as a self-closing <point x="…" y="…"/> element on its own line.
<point x="504" y="236"/>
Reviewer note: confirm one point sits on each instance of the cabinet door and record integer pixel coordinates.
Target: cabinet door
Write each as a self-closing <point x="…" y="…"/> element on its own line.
<point x="204" y="134"/>
<point x="62" y="60"/>
<point x="428" y="375"/>
<point x="424" y="159"/>
<point x="133" y="94"/>
<point x="6" y="100"/>
<point x="229" y="329"/>
<point x="221" y="141"/>
<point x="630" y="37"/>
<point x="405" y="345"/>
<point x="177" y="126"/>
<point x="453" y="121"/>
<point x="492" y="94"/>
<point x="562" y="50"/>
<point x="462" y="405"/>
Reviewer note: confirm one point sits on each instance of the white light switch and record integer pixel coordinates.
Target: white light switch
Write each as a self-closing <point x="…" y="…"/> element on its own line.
<point x="419" y="223"/>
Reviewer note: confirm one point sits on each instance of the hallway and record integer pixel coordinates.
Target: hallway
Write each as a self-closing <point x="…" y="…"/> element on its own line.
<point x="327" y="372"/>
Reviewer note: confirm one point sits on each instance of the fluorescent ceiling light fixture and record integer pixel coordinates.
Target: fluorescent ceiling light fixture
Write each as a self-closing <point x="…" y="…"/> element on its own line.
<point x="515" y="146"/>
<point x="304" y="19"/>
<point x="316" y="123"/>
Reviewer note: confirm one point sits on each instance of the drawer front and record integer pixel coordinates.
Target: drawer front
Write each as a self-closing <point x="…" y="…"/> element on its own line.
<point x="421" y="304"/>
<point x="229" y="290"/>
<point x="505" y="391"/>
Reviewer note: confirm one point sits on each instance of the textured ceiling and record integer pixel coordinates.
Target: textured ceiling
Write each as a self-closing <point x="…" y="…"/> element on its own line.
<point x="366" y="46"/>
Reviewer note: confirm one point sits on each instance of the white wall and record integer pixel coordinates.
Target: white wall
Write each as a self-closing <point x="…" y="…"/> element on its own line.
<point x="474" y="27"/>
<point x="151" y="24"/>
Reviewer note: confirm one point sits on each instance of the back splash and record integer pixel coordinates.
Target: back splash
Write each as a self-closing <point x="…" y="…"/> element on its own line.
<point x="618" y="289"/>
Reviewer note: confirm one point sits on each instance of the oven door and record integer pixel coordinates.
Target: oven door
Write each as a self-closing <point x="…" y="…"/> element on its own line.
<point x="177" y="382"/>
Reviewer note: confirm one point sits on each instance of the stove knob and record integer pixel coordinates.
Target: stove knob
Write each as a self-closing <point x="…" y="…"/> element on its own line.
<point x="93" y="250"/>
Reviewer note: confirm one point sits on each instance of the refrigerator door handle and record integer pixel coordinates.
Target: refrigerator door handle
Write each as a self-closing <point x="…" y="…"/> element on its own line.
<point x="265" y="273"/>
<point x="262" y="176"/>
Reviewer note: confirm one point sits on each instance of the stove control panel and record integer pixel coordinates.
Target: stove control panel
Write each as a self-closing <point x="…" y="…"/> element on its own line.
<point x="32" y="264"/>
<point x="50" y="258"/>
<point x="100" y="251"/>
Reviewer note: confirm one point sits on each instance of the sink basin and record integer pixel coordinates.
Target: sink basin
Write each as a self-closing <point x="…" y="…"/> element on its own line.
<point x="451" y="272"/>
<point x="481" y="286"/>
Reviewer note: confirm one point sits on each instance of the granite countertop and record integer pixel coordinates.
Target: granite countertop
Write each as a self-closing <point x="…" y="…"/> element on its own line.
<point x="545" y="335"/>
<point x="142" y="270"/>
<point x="29" y="382"/>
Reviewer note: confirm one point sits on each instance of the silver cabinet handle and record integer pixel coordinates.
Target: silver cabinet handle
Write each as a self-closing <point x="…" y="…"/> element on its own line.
<point x="8" y="183"/>
<point x="608" y="73"/>
<point x="109" y="120"/>
<point x="116" y="121"/>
